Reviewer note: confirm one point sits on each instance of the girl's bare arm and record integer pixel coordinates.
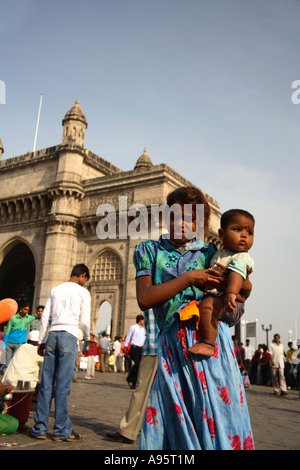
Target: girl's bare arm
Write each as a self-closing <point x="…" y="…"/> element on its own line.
<point x="149" y="295"/>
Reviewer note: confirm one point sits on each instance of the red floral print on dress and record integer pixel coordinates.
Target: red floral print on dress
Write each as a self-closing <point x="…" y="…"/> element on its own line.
<point x="211" y="424"/>
<point x="241" y="397"/>
<point x="179" y="411"/>
<point x="248" y="443"/>
<point x="216" y="352"/>
<point x="196" y="336"/>
<point x="170" y="354"/>
<point x="236" y="443"/>
<point x="151" y="412"/>
<point x="180" y="391"/>
<point x="202" y="379"/>
<point x="224" y="395"/>
<point x="201" y="376"/>
<point x="181" y="335"/>
<point x="165" y="364"/>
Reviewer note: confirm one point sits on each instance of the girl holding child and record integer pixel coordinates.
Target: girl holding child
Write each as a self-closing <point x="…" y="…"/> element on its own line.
<point x="196" y="402"/>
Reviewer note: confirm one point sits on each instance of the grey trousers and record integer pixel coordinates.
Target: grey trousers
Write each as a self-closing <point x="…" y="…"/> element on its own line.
<point x="131" y="423"/>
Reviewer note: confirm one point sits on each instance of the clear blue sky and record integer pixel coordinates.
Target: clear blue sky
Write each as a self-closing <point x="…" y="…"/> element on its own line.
<point x="204" y="85"/>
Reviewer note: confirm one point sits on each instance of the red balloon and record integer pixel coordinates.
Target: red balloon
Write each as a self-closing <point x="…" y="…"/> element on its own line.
<point x="8" y="308"/>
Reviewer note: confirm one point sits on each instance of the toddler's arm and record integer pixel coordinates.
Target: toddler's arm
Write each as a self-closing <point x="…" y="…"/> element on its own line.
<point x="246" y="288"/>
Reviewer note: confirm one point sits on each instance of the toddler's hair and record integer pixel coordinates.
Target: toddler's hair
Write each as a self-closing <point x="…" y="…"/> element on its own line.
<point x="228" y="215"/>
<point x="190" y="195"/>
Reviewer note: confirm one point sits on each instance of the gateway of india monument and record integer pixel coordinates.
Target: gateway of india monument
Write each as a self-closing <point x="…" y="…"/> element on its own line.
<point x="48" y="221"/>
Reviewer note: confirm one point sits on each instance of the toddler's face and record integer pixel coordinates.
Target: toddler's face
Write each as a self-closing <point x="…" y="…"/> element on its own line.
<point x="239" y="234"/>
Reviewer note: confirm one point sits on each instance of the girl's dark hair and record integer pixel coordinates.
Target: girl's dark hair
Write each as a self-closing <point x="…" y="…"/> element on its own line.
<point x="228" y="215"/>
<point x="190" y="195"/>
<point x="80" y="269"/>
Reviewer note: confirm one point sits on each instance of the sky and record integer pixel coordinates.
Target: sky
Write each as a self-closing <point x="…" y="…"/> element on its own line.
<point x="205" y="86"/>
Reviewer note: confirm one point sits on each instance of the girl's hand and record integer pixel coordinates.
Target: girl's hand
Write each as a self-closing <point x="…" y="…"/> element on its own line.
<point x="219" y="277"/>
<point x="149" y="295"/>
<point x="205" y="278"/>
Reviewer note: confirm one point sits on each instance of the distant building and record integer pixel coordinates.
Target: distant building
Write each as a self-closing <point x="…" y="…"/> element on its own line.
<point x="48" y="221"/>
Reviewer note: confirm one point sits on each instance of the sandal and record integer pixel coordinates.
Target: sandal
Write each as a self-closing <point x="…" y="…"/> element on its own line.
<point x="39" y="436"/>
<point x="74" y="437"/>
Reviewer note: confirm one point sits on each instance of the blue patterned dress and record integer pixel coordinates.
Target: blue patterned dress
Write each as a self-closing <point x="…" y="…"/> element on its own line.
<point x="196" y="402"/>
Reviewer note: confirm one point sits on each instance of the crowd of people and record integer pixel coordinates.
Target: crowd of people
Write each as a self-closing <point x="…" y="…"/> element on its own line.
<point x="271" y="366"/>
<point x="123" y="355"/>
<point x="21" y="363"/>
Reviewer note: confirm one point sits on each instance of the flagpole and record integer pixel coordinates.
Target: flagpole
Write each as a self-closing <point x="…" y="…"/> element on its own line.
<point x="37" y="124"/>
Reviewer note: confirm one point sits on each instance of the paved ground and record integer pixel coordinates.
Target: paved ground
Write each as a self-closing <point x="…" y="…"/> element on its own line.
<point x="97" y="406"/>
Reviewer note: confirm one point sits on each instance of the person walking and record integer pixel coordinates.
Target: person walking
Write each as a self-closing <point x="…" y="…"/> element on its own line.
<point x="104" y="345"/>
<point x="67" y="302"/>
<point x="91" y="353"/>
<point x="277" y="360"/>
<point x="135" y="339"/>
<point x="249" y="351"/>
<point x="118" y="359"/>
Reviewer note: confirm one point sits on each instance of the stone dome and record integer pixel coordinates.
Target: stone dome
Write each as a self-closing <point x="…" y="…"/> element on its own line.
<point x="75" y="114"/>
<point x="144" y="161"/>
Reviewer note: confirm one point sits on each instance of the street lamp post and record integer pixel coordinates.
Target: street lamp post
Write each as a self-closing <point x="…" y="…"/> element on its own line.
<point x="267" y="331"/>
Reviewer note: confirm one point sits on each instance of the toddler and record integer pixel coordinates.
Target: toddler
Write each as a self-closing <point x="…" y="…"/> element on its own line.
<point x="237" y="233"/>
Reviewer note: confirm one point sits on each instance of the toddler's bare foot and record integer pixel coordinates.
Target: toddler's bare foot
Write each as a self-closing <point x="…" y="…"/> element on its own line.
<point x="206" y="349"/>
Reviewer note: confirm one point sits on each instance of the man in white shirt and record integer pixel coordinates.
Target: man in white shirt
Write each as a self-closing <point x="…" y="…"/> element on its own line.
<point x="135" y="339"/>
<point x="276" y="350"/>
<point x="249" y="351"/>
<point x="67" y="303"/>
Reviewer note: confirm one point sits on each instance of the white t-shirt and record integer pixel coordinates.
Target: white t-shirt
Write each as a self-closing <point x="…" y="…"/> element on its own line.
<point x="249" y="351"/>
<point x="117" y="348"/>
<point x="67" y="303"/>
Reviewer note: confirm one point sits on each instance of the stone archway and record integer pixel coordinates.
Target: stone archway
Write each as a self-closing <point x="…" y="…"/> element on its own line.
<point x="107" y="284"/>
<point x="17" y="274"/>
<point x="103" y="322"/>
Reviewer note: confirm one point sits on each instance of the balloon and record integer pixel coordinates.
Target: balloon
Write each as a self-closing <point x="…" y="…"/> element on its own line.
<point x="8" y="308"/>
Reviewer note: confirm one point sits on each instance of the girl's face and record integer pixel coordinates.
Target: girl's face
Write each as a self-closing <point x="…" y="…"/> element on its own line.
<point x="239" y="234"/>
<point x="182" y="224"/>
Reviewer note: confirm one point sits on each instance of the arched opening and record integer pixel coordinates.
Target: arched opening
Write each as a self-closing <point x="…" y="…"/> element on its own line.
<point x="107" y="291"/>
<point x="103" y="322"/>
<point x="17" y="274"/>
<point x="107" y="267"/>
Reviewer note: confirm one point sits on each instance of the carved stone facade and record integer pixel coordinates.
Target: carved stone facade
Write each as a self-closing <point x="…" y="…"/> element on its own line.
<point x="48" y="220"/>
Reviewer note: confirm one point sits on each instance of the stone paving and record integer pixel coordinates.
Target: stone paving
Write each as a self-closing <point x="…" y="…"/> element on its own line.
<point x="96" y="407"/>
